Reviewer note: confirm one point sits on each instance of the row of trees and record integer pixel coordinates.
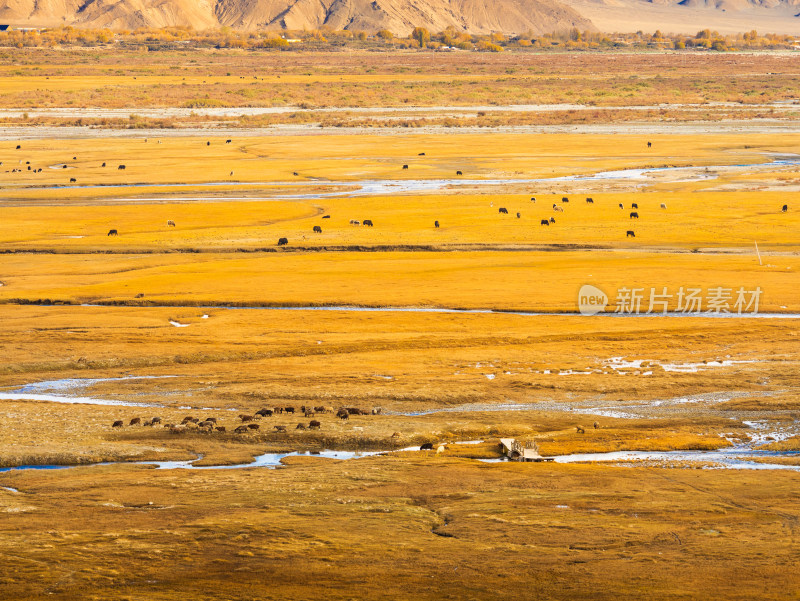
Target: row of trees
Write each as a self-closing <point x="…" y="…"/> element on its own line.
<point x="419" y="38"/>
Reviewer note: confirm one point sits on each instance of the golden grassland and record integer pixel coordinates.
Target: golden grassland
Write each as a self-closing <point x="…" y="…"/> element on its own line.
<point x="228" y="78"/>
<point x="390" y="527"/>
<point x="411" y="524"/>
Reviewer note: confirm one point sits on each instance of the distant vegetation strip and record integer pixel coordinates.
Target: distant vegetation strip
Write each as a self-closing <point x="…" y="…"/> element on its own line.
<point x="419" y="38"/>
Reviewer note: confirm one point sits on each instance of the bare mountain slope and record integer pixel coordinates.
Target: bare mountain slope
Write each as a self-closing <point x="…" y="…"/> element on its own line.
<point x="399" y="16"/>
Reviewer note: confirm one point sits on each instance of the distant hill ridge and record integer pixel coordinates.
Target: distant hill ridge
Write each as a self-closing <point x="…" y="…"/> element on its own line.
<point x="400" y="16"/>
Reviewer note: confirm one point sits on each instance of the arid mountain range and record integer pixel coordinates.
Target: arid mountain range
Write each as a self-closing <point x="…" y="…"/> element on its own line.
<point x="400" y="16"/>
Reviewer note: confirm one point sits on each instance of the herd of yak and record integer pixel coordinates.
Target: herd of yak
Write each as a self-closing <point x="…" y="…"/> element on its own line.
<point x="247" y="422"/>
<point x="368" y="222"/>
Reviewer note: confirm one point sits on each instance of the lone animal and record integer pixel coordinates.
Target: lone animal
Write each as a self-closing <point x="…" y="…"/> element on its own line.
<point x="533" y="199"/>
<point x="620" y="206"/>
<point x="580" y="430"/>
<point x="552" y="220"/>
<point x="589" y="201"/>
<point x="283" y="241"/>
<point x="634" y="205"/>
<point x="118" y="424"/>
<point x="421" y="154"/>
<point x="135" y="420"/>
<point x="111" y="233"/>
<point x="545" y="222"/>
<point x="253" y="426"/>
<point x="649" y="144"/>
<point x="326" y="216"/>
<point x="435" y="224"/>
<point x="596" y="425"/>
<point x="170" y="223"/>
<point x="314" y="425"/>
<point x="354" y="222"/>
<point x="368" y="222"/>
<point x="459" y="173"/>
<point x="630" y="234"/>
<point x="518" y="215"/>
<point x="300" y="427"/>
<point x="564" y="199"/>
<point x="634" y="215"/>
<point x="72" y="180"/>
<point x="289" y="409"/>
<point x="376" y="410"/>
<point x="503" y="210"/>
<point x="245" y="418"/>
<point x="295" y="173"/>
<point x="343" y="414"/>
<point x="264" y="412"/>
<point x="317" y="229"/>
<point x="228" y="141"/>
<point x="663" y="206"/>
<point x="220" y="428"/>
<point x="121" y="167"/>
<point x="103" y="165"/>
<point x="208" y="419"/>
<point x="241" y="429"/>
<point x="785" y="208"/>
<point x="405" y="166"/>
<point x="426" y="446"/>
<point x="208" y="143"/>
<point x="280" y="428"/>
<point x="18" y="146"/>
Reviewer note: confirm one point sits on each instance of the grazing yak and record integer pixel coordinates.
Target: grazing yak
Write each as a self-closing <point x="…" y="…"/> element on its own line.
<point x="785" y="208"/>
<point x="253" y="426"/>
<point x="634" y="215"/>
<point x="589" y="201"/>
<point x="503" y="210"/>
<point x="280" y="428"/>
<point x="121" y="167"/>
<point x="241" y="429"/>
<point x="426" y="446"/>
<point x="18" y="146"/>
<point x="228" y="141"/>
<point x="368" y="222"/>
<point x="596" y="425"/>
<point x="533" y="199"/>
<point x="343" y="414"/>
<point x="552" y="220"/>
<point x="300" y="427"/>
<point x="326" y="216"/>
<point x="564" y="199"/>
<point x="264" y="412"/>
<point x="630" y="234"/>
<point x="421" y="154"/>
<point x="580" y="430"/>
<point x="620" y="206"/>
<point x="289" y="410"/>
<point x="170" y="223"/>
<point x="111" y="233"/>
<point x="354" y="222"/>
<point x="405" y="166"/>
<point x="317" y="229"/>
<point x="545" y="222"/>
<point x="135" y="421"/>
<point x="435" y="224"/>
<point x="283" y="241"/>
<point x="314" y="425"/>
<point x="220" y="428"/>
<point x="118" y="424"/>
<point x="634" y="205"/>
<point x="103" y="165"/>
<point x="245" y="418"/>
<point x="663" y="206"/>
<point x="72" y="180"/>
<point x="518" y="215"/>
<point x="459" y="173"/>
<point x="649" y="144"/>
